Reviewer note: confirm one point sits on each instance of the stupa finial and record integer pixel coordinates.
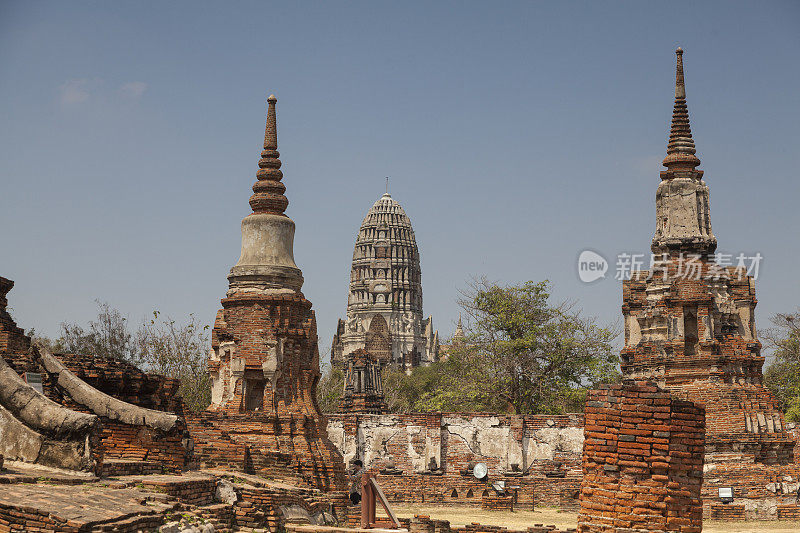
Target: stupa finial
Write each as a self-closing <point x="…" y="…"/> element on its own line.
<point x="680" y="149"/>
<point x="268" y="191"/>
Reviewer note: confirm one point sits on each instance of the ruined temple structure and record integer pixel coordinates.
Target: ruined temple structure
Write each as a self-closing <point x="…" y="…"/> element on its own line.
<point x="82" y="413"/>
<point x="690" y="327"/>
<point x="384" y="304"/>
<point x="264" y="361"/>
<point x="363" y="387"/>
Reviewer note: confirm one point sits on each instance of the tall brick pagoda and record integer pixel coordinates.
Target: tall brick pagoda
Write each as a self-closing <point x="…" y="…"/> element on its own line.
<point x="264" y="361"/>
<point x="690" y="322"/>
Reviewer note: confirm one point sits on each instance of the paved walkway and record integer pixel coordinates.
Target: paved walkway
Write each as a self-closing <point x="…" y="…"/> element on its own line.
<point x="82" y="504"/>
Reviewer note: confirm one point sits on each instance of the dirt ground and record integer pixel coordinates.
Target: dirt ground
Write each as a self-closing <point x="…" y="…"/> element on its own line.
<point x="563" y="519"/>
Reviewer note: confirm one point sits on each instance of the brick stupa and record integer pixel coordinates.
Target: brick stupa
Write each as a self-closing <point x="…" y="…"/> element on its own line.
<point x="264" y="361"/>
<point x="690" y="323"/>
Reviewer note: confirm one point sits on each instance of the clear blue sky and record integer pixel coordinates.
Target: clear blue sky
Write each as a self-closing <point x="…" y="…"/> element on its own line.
<point x="515" y="134"/>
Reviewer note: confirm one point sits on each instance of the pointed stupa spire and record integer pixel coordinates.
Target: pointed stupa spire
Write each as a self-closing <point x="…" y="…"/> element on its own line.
<point x="459" y="333"/>
<point x="267" y="259"/>
<point x="680" y="150"/>
<point x="683" y="205"/>
<point x="268" y="190"/>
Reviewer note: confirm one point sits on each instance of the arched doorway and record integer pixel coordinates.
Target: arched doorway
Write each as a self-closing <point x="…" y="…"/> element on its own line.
<point x="379" y="340"/>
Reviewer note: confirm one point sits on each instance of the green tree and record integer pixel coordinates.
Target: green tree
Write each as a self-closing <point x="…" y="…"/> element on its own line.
<point x="783" y="374"/>
<point x="160" y="345"/>
<point x="330" y="390"/>
<point x="177" y="351"/>
<point x="521" y="354"/>
<point x="107" y="336"/>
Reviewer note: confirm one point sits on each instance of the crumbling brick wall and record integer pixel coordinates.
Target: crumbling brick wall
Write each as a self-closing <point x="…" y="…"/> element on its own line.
<point x="290" y="449"/>
<point x="126" y="382"/>
<point x="696" y="336"/>
<point x="150" y="435"/>
<point x="129" y="432"/>
<point x="127" y="438"/>
<point x="539" y="456"/>
<point x="264" y="416"/>
<point x="14" y="344"/>
<point x="759" y="490"/>
<point x="642" y="461"/>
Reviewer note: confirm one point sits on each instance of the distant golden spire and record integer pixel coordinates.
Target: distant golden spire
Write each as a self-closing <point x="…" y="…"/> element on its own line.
<point x="680" y="150"/>
<point x="268" y="191"/>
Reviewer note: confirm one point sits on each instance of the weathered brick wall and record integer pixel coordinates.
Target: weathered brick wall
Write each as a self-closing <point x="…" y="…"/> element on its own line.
<point x="642" y="461"/>
<point x="758" y="489"/>
<point x="121" y="380"/>
<point x="142" y="443"/>
<point x="280" y="431"/>
<point x="126" y="382"/>
<point x="696" y="336"/>
<point x="498" y="502"/>
<point x="401" y="440"/>
<point x="171" y="448"/>
<point x="267" y="506"/>
<point x="193" y="491"/>
<point x="14" y="344"/>
<point x="538" y="455"/>
<point x="789" y="512"/>
<point x="721" y="511"/>
<point x="288" y="448"/>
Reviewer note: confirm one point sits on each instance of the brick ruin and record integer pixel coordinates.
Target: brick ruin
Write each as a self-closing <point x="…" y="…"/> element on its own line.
<point x="694" y="337"/>
<point x="130" y="434"/>
<point x="265" y="360"/>
<point x="642" y="461"/>
<point x="363" y="387"/>
<point x="79" y="459"/>
<point x="692" y="416"/>
<point x="429" y="457"/>
<point x="690" y="327"/>
<point x="64" y="421"/>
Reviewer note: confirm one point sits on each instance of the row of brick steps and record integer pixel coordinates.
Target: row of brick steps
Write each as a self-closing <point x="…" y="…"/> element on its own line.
<point x="130" y="467"/>
<point x="46" y="500"/>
